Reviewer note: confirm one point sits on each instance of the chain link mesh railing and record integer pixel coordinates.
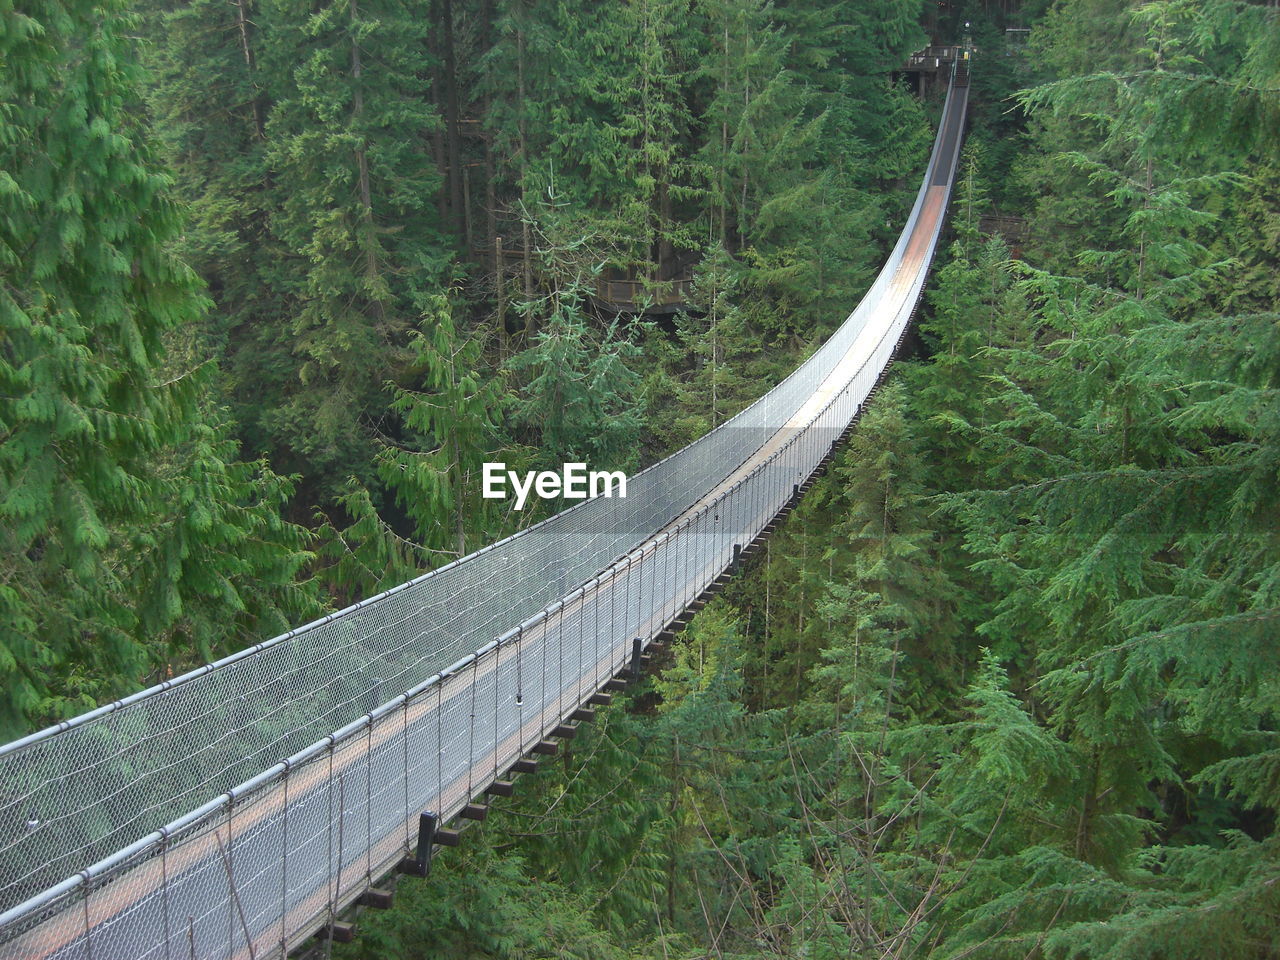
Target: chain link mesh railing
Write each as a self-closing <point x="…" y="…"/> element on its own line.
<point x="490" y="652"/>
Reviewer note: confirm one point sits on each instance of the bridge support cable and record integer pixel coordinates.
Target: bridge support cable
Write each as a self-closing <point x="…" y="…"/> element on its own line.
<point x="274" y="857"/>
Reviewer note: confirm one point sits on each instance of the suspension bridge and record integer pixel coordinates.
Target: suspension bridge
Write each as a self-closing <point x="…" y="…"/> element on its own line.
<point x="167" y="825"/>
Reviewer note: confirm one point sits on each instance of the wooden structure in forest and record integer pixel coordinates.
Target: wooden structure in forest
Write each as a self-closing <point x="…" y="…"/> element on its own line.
<point x="1014" y="230"/>
<point x="621" y="293"/>
<point x="930" y="66"/>
<point x="666" y="292"/>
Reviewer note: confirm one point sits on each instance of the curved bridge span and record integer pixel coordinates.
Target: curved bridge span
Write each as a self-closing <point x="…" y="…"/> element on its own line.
<point x="111" y="847"/>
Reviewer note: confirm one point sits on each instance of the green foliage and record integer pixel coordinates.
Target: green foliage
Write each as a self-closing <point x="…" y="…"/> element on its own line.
<point x="578" y="400"/>
<point x="884" y="582"/>
<point x="203" y="58"/>
<point x="1004" y="686"/>
<point x="1080" y="477"/>
<point x="132" y="539"/>
<point x="354" y="211"/>
<point x="455" y="418"/>
<point x="364" y="555"/>
<point x="491" y="906"/>
<point x="1118" y="545"/>
<point x="715" y="365"/>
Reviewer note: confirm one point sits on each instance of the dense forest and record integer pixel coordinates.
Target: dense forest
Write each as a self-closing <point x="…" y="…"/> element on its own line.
<point x="278" y="278"/>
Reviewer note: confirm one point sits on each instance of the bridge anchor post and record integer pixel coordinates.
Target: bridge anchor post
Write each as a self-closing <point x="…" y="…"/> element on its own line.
<point x="420" y="864"/>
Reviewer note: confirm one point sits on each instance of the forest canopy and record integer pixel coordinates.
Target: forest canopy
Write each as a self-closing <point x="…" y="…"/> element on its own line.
<point x="279" y="278"/>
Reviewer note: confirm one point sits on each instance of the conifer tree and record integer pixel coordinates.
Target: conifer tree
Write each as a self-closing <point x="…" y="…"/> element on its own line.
<point x="345" y="145"/>
<point x="714" y="372"/>
<point x="886" y="581"/>
<point x="204" y="62"/>
<point x="130" y="539"/>
<point x="455" y="417"/>
<point x="1127" y="548"/>
<point x="592" y="119"/>
<point x="579" y="397"/>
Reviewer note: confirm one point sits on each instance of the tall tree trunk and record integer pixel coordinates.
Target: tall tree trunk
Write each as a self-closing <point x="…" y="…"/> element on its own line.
<point x="524" y="171"/>
<point x="491" y="192"/>
<point x="724" y="147"/>
<point x="500" y="296"/>
<point x="676" y="787"/>
<point x="453" y="137"/>
<point x="442" y="165"/>
<point x="242" y="24"/>
<point x="715" y="346"/>
<point x="466" y="209"/>
<point x="362" y="156"/>
<point x="1142" y="239"/>
<point x="666" y="253"/>
<point x="742" y="209"/>
<point x="1088" y="810"/>
<point x="455" y="468"/>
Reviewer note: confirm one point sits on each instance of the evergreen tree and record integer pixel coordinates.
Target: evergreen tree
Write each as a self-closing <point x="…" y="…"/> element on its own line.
<point x="889" y="581"/>
<point x="578" y="401"/>
<point x="592" y="119"/>
<point x="1127" y="549"/>
<point x="455" y="417"/>
<point x="714" y="368"/>
<point x="130" y="537"/>
<point x="204" y="61"/>
<point x="345" y="141"/>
